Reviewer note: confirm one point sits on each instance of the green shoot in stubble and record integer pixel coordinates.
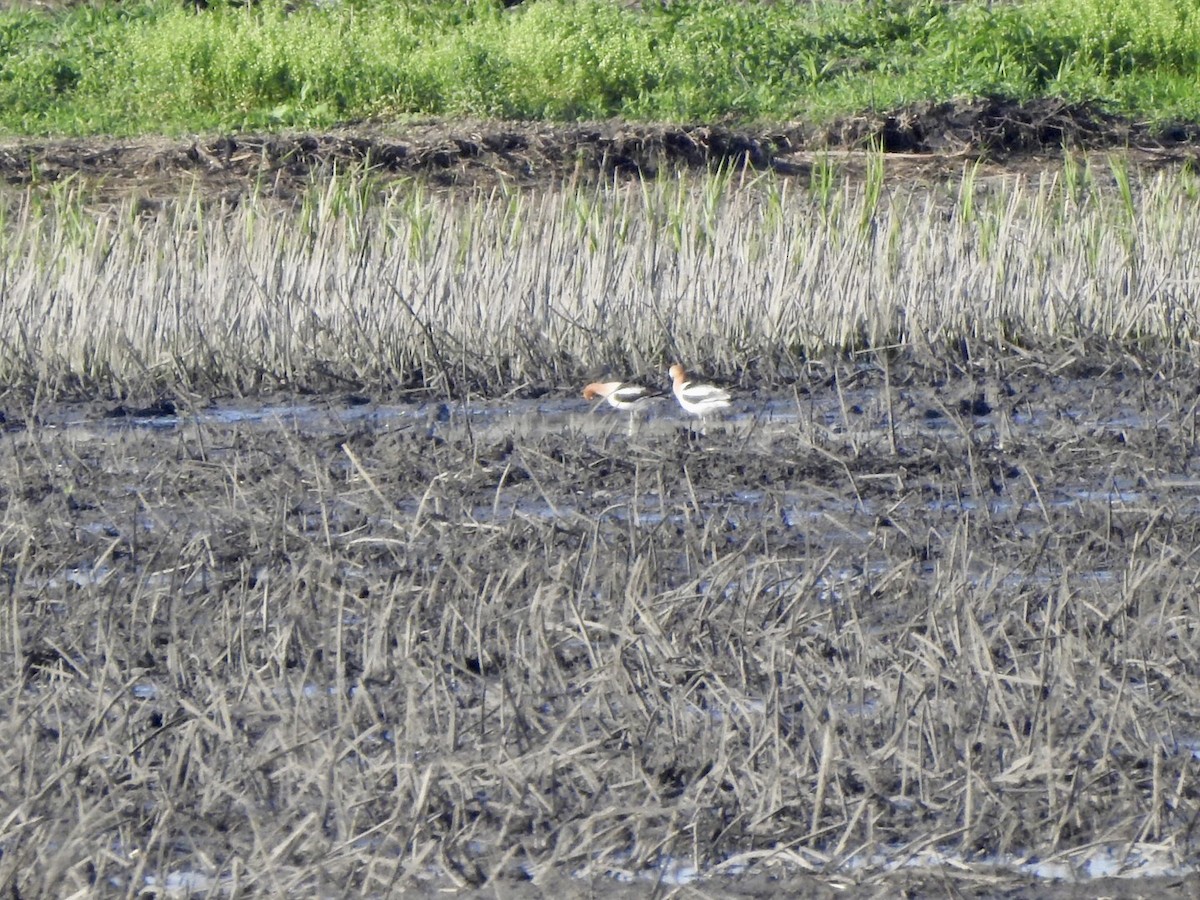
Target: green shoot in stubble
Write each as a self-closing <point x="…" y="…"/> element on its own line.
<point x="823" y="185"/>
<point x="1072" y="173"/>
<point x="1119" y="170"/>
<point x="966" y="191"/>
<point x="872" y="189"/>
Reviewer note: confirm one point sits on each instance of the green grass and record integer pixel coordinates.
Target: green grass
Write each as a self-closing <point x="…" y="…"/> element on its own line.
<point x="155" y="66"/>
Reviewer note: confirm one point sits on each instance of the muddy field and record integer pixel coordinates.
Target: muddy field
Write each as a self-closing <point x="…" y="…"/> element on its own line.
<point x="878" y="617"/>
<point x="888" y="629"/>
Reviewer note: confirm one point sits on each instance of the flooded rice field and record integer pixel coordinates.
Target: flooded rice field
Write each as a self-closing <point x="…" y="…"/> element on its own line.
<point x="883" y="628"/>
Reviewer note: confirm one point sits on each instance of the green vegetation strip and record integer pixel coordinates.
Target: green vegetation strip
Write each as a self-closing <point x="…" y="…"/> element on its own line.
<point x="162" y="66"/>
<point x="457" y="293"/>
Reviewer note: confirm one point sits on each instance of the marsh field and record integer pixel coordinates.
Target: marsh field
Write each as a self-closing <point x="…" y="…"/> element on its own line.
<point x="322" y="579"/>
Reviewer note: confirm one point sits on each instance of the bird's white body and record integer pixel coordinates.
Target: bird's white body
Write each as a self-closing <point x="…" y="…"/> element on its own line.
<point x="697" y="399"/>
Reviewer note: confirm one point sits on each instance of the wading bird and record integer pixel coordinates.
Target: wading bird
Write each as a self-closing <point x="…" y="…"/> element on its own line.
<point x="624" y="395"/>
<point x="698" y="399"/>
<point x="620" y="394"/>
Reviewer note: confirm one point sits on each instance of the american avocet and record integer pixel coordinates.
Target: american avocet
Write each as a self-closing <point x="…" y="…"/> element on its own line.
<point x="626" y="395"/>
<point x="698" y="399"/>
<point x="620" y="394"/>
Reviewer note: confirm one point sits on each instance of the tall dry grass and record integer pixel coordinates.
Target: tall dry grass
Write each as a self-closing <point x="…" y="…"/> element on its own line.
<point x="362" y="283"/>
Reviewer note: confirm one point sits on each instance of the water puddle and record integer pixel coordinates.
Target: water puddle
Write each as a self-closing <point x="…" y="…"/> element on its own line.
<point x="1080" y="867"/>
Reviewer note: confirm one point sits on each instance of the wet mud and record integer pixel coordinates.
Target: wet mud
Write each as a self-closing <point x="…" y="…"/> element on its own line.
<point x="597" y="645"/>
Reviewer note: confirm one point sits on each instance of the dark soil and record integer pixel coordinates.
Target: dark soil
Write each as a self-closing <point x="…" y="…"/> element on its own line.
<point x="926" y="140"/>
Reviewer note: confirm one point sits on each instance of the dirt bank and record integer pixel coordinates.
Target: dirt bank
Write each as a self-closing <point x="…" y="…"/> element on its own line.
<point x="923" y="141"/>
